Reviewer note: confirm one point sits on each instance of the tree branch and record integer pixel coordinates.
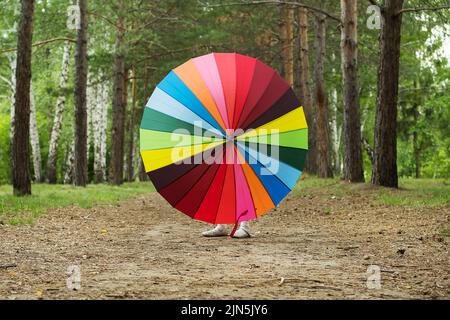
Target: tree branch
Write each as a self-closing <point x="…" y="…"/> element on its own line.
<point x="6" y="80"/>
<point x="171" y="52"/>
<point x="41" y="43"/>
<point x="406" y="10"/>
<point x="274" y="2"/>
<point x="112" y="23"/>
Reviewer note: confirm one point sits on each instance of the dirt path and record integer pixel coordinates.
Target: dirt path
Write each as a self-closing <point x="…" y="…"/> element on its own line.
<point x="144" y="249"/>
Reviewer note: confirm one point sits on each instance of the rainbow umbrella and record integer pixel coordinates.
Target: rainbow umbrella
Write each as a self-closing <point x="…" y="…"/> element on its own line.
<point x="223" y="138"/>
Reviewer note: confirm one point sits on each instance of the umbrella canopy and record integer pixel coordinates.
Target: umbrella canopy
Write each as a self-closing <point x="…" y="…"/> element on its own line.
<point x="223" y="138"/>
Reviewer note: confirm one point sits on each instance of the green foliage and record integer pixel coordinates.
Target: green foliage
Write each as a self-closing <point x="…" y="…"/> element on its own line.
<point x="445" y="233"/>
<point x="160" y="35"/>
<point x="4" y="149"/>
<point x="15" y="210"/>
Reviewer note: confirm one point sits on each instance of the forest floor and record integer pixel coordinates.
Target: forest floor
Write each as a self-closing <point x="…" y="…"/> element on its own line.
<point x="318" y="244"/>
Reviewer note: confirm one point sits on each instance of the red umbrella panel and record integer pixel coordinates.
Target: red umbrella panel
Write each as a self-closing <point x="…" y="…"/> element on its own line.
<point x="223" y="138"/>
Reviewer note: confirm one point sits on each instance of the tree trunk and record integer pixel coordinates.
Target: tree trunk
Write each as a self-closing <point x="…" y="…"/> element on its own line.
<point x="69" y="171"/>
<point x="12" y="83"/>
<point x="125" y="124"/>
<point x="353" y="165"/>
<point x="368" y="149"/>
<point x="99" y="118"/>
<point x="385" y="150"/>
<point x="130" y="155"/>
<point x="58" y="118"/>
<point x="103" y="126"/>
<point x="80" y="178"/>
<point x="288" y="43"/>
<point x="416" y="154"/>
<point x="336" y="128"/>
<point x="21" y="134"/>
<point x="12" y="60"/>
<point x="96" y="118"/>
<point x="136" y="159"/>
<point x="34" y="138"/>
<point x="305" y="92"/>
<point x="118" y="112"/>
<point x="416" y="144"/>
<point x="323" y="166"/>
<point x="336" y="133"/>
<point x="142" y="174"/>
<point x="91" y="100"/>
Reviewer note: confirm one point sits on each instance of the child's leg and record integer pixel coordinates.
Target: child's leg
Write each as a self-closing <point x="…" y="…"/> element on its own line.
<point x="243" y="231"/>
<point x="219" y="230"/>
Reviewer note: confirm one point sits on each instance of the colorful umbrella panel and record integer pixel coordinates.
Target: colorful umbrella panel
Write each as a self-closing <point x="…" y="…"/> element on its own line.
<point x="223" y="138"/>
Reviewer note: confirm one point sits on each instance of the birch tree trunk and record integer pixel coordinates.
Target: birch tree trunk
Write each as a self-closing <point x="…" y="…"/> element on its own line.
<point x="385" y="150"/>
<point x="99" y="125"/>
<point x="70" y="162"/>
<point x="323" y="167"/>
<point x="91" y="101"/>
<point x="12" y="60"/>
<point x="58" y="118"/>
<point x="20" y="142"/>
<point x="96" y="117"/>
<point x="34" y="138"/>
<point x="336" y="132"/>
<point x="305" y="90"/>
<point x="13" y="64"/>
<point x="353" y="165"/>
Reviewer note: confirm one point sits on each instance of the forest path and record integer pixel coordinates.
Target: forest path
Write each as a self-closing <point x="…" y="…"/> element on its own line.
<point x="314" y="246"/>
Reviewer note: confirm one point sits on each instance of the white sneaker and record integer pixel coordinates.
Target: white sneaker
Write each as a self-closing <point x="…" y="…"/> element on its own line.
<point x="218" y="231"/>
<point x="243" y="231"/>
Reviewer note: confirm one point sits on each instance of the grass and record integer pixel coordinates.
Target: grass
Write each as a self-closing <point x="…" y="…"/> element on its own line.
<point x="416" y="193"/>
<point x="411" y="192"/>
<point x="445" y="233"/>
<point x="14" y="210"/>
